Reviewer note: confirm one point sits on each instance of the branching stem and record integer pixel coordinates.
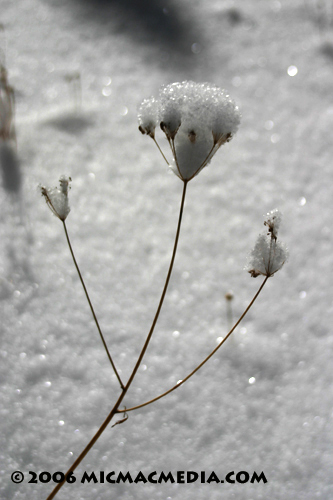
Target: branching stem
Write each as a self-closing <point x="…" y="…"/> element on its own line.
<point x="142" y="353"/>
<point x="205" y="360"/>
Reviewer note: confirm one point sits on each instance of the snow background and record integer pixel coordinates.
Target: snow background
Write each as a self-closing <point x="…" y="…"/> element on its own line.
<point x="56" y="384"/>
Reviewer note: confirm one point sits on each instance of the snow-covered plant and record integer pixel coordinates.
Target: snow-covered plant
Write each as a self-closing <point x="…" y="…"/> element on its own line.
<point x="57" y="198"/>
<point x="268" y="254"/>
<point x="196" y="120"/>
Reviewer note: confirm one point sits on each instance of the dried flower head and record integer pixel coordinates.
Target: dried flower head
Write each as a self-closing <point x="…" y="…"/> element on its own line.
<point x="196" y="119"/>
<point x="57" y="198"/>
<point x="147" y="117"/>
<point x="268" y="255"/>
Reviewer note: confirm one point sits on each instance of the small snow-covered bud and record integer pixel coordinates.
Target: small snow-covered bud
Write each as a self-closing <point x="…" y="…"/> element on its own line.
<point x="273" y="221"/>
<point x="57" y="198"/>
<point x="148" y="117"/>
<point x="64" y="184"/>
<point x="268" y="255"/>
<point x="197" y="118"/>
<point x="170" y="116"/>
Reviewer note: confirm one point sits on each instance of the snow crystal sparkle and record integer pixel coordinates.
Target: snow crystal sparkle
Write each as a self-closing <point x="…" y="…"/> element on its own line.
<point x="197" y="119"/>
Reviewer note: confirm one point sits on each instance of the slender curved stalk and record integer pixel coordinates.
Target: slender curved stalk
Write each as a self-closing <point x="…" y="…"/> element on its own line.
<point x="205" y="360"/>
<point x="160" y="150"/>
<point x="91" y="307"/>
<point x="136" y="367"/>
<point x="151" y="331"/>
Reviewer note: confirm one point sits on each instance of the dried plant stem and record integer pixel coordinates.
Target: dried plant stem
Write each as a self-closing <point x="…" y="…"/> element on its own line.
<point x="142" y="353"/>
<point x="151" y="331"/>
<point x="229" y="299"/>
<point x="91" y="307"/>
<point x="160" y="150"/>
<point x="205" y="360"/>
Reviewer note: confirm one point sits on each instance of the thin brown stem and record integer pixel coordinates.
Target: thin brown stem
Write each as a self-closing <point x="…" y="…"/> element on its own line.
<point x="160" y="150"/>
<point x="174" y="154"/>
<point x="91" y="307"/>
<point x="173" y="149"/>
<point x="136" y="367"/>
<point x="151" y="331"/>
<point x="89" y="446"/>
<point x="205" y="360"/>
<point x="229" y="298"/>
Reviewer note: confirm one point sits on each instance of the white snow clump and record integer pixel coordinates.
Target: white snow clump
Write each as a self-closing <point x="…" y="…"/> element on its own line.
<point x="197" y="118"/>
<point x="147" y="116"/>
<point x="273" y="221"/>
<point x="57" y="198"/>
<point x="268" y="255"/>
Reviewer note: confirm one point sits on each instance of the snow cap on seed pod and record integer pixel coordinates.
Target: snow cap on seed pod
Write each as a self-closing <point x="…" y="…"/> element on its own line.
<point x="57" y="197"/>
<point x="197" y="118"/>
<point x="148" y="116"/>
<point x="273" y="221"/>
<point x="268" y="255"/>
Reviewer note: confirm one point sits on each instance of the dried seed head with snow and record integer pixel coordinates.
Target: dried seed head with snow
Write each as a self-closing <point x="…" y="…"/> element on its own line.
<point x="57" y="198"/>
<point x="268" y="255"/>
<point x="197" y="118"/>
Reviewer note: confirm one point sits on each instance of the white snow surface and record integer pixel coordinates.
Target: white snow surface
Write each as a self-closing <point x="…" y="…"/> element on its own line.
<point x="265" y="400"/>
